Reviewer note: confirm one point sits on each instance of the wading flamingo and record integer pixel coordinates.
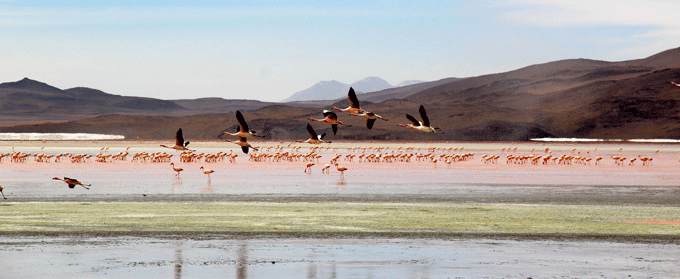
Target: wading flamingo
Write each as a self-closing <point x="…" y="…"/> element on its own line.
<point x="207" y="171"/>
<point x="243" y="128"/>
<point x="370" y="118"/>
<point x="176" y="169"/>
<point x="341" y="170"/>
<point x="180" y="144"/>
<point x="309" y="167"/>
<point x="353" y="103"/>
<point x="72" y="182"/>
<point x="3" y="194"/>
<point x="423" y="126"/>
<point x="331" y="118"/>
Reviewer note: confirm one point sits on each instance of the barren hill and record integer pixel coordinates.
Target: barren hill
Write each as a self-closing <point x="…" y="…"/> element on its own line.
<point x="568" y="98"/>
<point x="30" y="101"/>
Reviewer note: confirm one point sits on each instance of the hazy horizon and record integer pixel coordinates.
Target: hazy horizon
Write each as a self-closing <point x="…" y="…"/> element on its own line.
<point x="270" y="50"/>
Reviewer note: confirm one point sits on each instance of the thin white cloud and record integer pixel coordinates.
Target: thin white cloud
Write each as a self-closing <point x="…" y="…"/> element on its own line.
<point x="565" y="13"/>
<point x="658" y="20"/>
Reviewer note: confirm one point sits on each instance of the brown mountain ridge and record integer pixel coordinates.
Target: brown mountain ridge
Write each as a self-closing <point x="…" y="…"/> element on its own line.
<point x="568" y="98"/>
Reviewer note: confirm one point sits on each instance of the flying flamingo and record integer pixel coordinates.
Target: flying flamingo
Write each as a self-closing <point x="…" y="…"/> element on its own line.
<point x="313" y="137"/>
<point x="331" y="118"/>
<point x="370" y="118"/>
<point x="179" y="142"/>
<point x="72" y="182"/>
<point x="176" y="169"/>
<point x="243" y="128"/>
<point x="207" y="171"/>
<point x="3" y="194"/>
<point x="423" y="126"/>
<point x="244" y="144"/>
<point x="353" y="103"/>
<point x="673" y="83"/>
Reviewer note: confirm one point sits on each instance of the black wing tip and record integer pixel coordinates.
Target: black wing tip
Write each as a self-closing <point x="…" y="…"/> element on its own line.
<point x="369" y="123"/>
<point x="412" y="119"/>
<point x="310" y="131"/>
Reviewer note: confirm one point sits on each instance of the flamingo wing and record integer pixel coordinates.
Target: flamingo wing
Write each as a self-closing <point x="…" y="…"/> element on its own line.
<point x="352" y="97"/>
<point x="241" y="121"/>
<point x="413" y="120"/>
<point x="327" y="113"/>
<point x="245" y="149"/>
<point x="423" y="116"/>
<point x="71" y="180"/>
<point x="370" y="122"/>
<point x="179" y="139"/>
<point x="311" y="132"/>
<point x="335" y="128"/>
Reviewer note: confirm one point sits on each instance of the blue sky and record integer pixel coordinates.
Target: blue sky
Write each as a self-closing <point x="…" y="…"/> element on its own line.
<point x="268" y="50"/>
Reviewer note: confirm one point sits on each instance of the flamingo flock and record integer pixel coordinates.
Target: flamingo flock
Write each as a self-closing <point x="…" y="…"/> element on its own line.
<point x="330" y="117"/>
<point x="380" y="154"/>
<point x="334" y="159"/>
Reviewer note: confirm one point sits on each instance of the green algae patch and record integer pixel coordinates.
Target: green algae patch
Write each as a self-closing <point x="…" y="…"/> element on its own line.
<point x="365" y="218"/>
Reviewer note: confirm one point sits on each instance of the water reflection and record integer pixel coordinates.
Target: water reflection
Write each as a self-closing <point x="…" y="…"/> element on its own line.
<point x="208" y="187"/>
<point x="178" y="262"/>
<point x="312" y="271"/>
<point x="334" y="271"/>
<point x="340" y="185"/>
<point x="77" y="257"/>
<point x="176" y="183"/>
<point x="242" y="263"/>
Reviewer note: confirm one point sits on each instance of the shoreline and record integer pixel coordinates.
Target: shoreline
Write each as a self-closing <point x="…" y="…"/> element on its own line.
<point x="231" y="235"/>
<point x="585" y="199"/>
